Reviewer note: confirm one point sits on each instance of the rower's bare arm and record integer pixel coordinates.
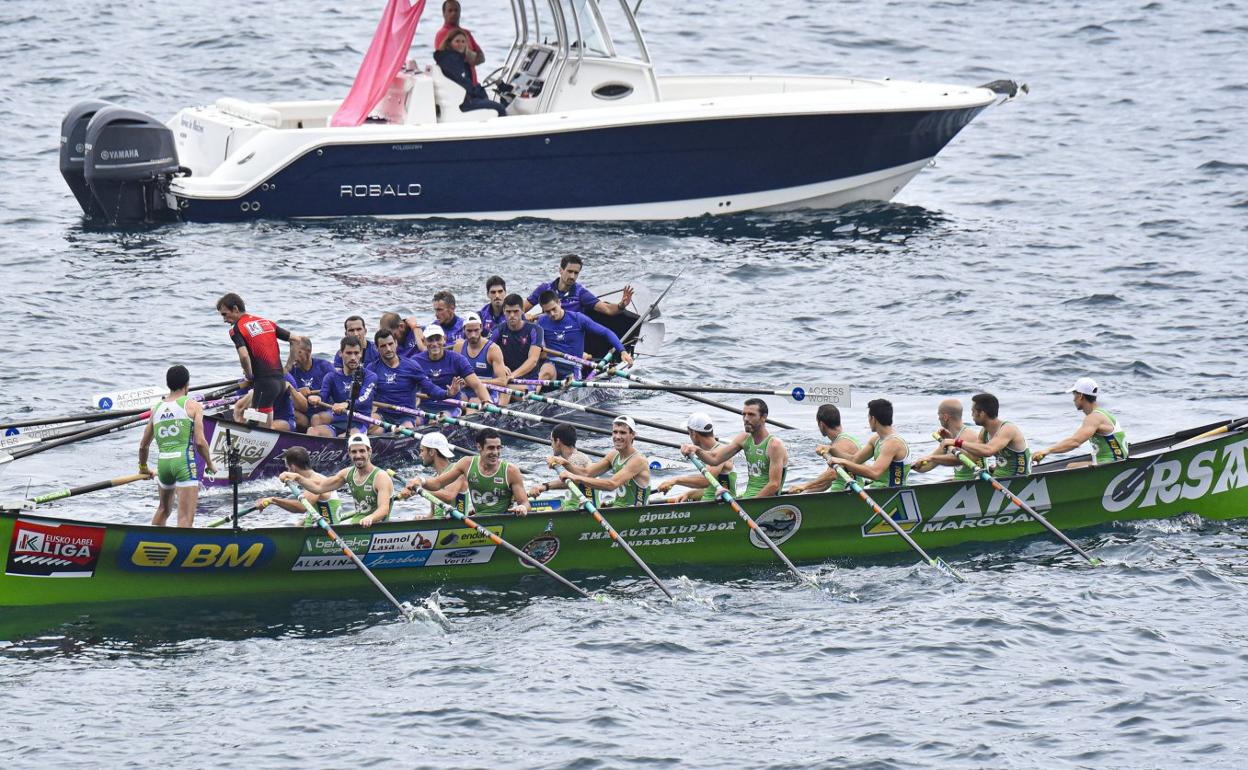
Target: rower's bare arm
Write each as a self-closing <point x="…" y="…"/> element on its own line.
<point x="519" y="495"/>
<point x="1086" y="430"/>
<point x="722" y="453"/>
<point x="460" y="468"/>
<point x="294" y="505"/>
<point x="196" y="411"/>
<point x="244" y="360"/>
<point x="297" y="398"/>
<point x="817" y="484"/>
<point x="530" y="364"/>
<point x="292" y="345"/>
<point x="145" y="443"/>
<point x="478" y="387"/>
<point x="385" y="491"/>
<point x="865" y="451"/>
<point x="635" y="466"/>
<point x="495" y="360"/>
<point x="319" y="486"/>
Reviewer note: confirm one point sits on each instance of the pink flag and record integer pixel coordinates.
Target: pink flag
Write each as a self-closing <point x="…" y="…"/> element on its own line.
<point x="382" y="62"/>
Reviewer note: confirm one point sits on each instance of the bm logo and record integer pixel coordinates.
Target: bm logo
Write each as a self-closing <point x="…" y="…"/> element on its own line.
<point x="182" y="553"/>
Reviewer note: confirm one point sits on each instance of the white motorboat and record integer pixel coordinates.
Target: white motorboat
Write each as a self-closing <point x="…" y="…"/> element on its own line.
<point x="591" y="132"/>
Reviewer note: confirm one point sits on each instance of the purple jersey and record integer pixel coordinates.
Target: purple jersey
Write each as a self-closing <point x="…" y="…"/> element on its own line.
<point x="312" y="378"/>
<point x="399" y="385"/>
<point x="336" y="388"/>
<point x="567" y="335"/>
<point x="371" y="356"/>
<point x="515" y="344"/>
<point x="442" y="371"/>
<point x="489" y="321"/>
<point x="578" y="299"/>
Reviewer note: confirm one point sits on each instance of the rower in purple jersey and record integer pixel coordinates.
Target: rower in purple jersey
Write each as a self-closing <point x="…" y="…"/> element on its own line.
<point x="492" y="314"/>
<point x="520" y="342"/>
<point x="406" y="333"/>
<point x="336" y="392"/>
<point x="448" y="370"/>
<point x="399" y="380"/>
<point x="308" y="373"/>
<point x="565" y="332"/>
<point x="354" y="327"/>
<point x="486" y="357"/>
<point x="444" y="317"/>
<point x="572" y="295"/>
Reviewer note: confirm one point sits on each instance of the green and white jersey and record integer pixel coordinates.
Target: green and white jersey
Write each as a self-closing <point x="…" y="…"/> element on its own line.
<point x="364" y="493"/>
<point x="838" y="485"/>
<point x="632" y="493"/>
<point x="758" y="466"/>
<point x="172" y="428"/>
<point x="490" y="495"/>
<point x="898" y="472"/>
<point x="1111" y="448"/>
<point x="963" y="473"/>
<point x="331" y="509"/>
<point x="1008" y="462"/>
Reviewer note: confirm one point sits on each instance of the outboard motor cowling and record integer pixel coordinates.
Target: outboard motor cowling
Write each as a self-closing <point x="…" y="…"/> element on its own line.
<point x="130" y="158"/>
<point x="73" y="149"/>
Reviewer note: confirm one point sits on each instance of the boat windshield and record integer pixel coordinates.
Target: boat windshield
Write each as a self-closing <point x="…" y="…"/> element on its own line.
<point x="593" y="38"/>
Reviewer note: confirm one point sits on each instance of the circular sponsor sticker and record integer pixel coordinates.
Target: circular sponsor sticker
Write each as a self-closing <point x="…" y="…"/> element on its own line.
<point x="106" y="403"/>
<point x="799" y="394"/>
<point x="780" y="524"/>
<point x="542" y="548"/>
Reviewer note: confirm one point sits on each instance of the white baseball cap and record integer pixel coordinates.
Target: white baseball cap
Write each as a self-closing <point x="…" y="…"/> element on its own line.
<point x="438" y="443"/>
<point x="472" y="318"/>
<point x="626" y="420"/>
<point x="433" y="330"/>
<point x="359" y="439"/>
<point x="1086" y="386"/>
<point x="700" y="422"/>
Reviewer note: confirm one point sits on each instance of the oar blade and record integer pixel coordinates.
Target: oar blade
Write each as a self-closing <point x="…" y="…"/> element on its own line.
<point x="944" y="567"/>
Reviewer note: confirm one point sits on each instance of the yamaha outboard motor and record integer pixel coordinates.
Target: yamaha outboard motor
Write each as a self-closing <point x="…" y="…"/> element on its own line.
<point x="129" y="160"/>
<point x="73" y="148"/>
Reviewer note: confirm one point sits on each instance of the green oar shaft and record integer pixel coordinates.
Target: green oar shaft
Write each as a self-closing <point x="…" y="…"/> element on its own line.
<point x="346" y="549"/>
<point x="588" y="505"/>
<point x="82" y="490"/>
<point x="544" y="399"/>
<point x="496" y="540"/>
<point x="229" y="518"/>
<point x="939" y="564"/>
<point x="727" y="497"/>
<point x="1024" y="507"/>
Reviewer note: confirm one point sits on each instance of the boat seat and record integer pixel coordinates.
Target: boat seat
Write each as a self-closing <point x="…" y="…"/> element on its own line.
<point x="448" y="95"/>
<point x="256" y="113"/>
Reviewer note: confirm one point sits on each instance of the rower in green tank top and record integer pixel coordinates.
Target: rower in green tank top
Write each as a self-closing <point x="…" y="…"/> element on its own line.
<point x="766" y="456"/>
<point x="886" y="449"/>
<point x="701" y="432"/>
<point x="949" y="415"/>
<point x="177" y="427"/>
<point x="999" y="439"/>
<point x="563" y="454"/>
<point x="298" y="461"/>
<point x="493" y="485"/>
<point x="1099" y="428"/>
<point x="369" y="486"/>
<point x="630" y="470"/>
<point x="844" y="445"/>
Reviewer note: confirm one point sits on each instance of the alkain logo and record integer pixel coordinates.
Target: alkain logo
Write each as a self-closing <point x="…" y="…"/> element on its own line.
<point x="902" y="508"/>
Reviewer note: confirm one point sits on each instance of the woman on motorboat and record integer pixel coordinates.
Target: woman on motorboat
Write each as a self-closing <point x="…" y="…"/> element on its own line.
<point x="450" y="58"/>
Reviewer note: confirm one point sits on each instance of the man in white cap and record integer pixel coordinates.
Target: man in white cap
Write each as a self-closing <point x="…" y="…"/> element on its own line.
<point x="447" y="369"/>
<point x="702" y="434"/>
<point x="486" y="357"/>
<point x="1099" y="427"/>
<point x="369" y="486"/>
<point x="435" y="452"/>
<point x="630" y="470"/>
<point x="766" y="456"/>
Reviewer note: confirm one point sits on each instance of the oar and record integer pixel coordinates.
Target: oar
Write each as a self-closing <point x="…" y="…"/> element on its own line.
<point x="447" y="419"/>
<point x="230" y="517"/>
<point x="986" y="476"/>
<point x="82" y="490"/>
<point x="641" y="318"/>
<point x="529" y="395"/>
<point x="72" y="438"/>
<point x="635" y="382"/>
<point x="139" y="397"/>
<point x="97" y="416"/>
<point x="531" y="417"/>
<point x="938" y="562"/>
<point x="727" y="497"/>
<point x="346" y="549"/>
<point x="526" y="558"/>
<point x="1230" y="426"/>
<point x="588" y="505"/>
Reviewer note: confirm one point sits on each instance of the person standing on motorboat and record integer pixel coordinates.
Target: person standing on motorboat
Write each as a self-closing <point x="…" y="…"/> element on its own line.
<point x="473" y="55"/>
<point x="450" y="58"/>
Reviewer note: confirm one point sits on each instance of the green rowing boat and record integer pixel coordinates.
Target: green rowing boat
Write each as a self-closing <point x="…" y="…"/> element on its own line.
<point x="52" y="561"/>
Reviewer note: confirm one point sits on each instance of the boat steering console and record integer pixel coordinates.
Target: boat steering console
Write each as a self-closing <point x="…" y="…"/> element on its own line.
<point x="529" y="79"/>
